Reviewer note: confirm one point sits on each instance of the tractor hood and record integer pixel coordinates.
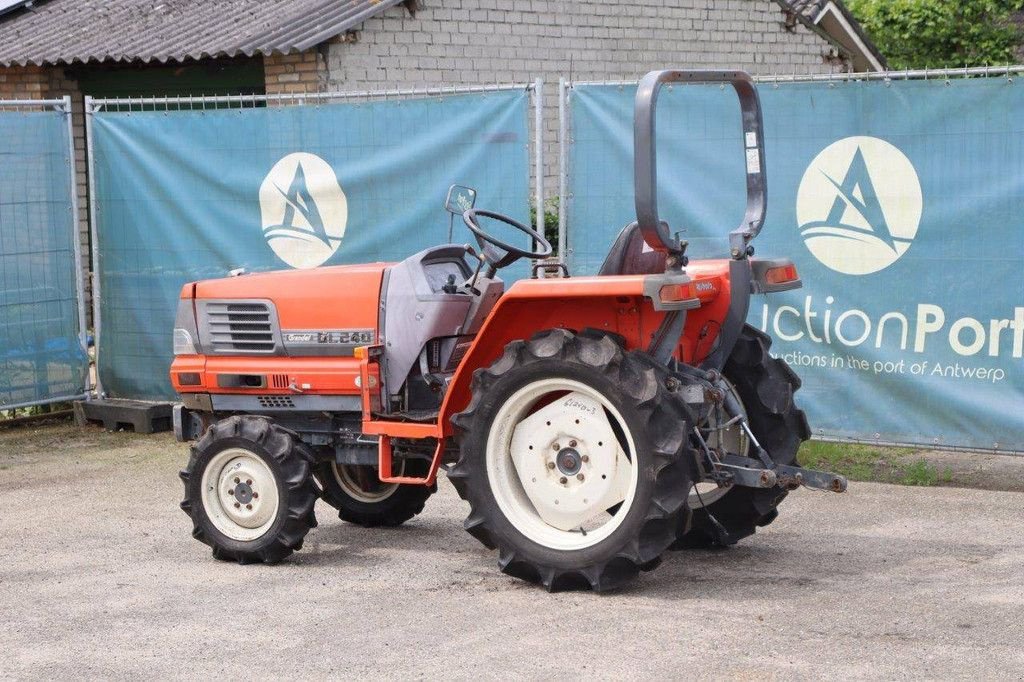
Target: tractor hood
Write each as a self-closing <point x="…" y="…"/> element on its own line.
<point x="327" y="299"/>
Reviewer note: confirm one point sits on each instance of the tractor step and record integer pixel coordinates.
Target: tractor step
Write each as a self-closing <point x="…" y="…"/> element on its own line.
<point x="124" y="415"/>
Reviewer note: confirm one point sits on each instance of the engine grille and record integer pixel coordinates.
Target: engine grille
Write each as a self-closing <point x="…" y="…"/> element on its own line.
<point x="240" y="327"/>
<point x="276" y="401"/>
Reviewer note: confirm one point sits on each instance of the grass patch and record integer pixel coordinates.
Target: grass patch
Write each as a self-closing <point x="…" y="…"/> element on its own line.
<point x="872" y="463"/>
<point x="919" y="473"/>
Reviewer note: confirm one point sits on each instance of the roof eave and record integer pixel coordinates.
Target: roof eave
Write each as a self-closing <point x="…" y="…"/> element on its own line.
<point x="851" y="39"/>
<point x="854" y="33"/>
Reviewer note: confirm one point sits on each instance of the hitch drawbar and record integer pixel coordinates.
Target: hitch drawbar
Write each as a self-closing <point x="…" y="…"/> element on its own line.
<point x="753" y="474"/>
<point x="726" y="468"/>
<point x="765" y="473"/>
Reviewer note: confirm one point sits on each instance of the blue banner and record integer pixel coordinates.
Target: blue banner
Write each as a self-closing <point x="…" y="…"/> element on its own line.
<point x="42" y="357"/>
<point x="902" y="204"/>
<point x="187" y="195"/>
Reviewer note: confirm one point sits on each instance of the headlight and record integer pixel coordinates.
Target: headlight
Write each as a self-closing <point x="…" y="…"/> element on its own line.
<point x="183" y="343"/>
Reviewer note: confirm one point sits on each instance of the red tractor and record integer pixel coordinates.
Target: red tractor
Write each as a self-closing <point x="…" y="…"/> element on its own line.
<point x="591" y="423"/>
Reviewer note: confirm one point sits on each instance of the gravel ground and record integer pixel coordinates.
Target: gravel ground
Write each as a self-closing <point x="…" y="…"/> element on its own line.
<point x="100" y="578"/>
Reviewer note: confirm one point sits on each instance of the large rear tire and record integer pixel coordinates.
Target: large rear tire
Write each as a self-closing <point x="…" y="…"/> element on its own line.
<point x="249" y="490"/>
<point x="765" y="388"/>
<point x="360" y="498"/>
<point x="575" y="460"/>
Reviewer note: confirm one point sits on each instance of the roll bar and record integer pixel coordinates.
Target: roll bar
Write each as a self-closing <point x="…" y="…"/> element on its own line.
<point x="645" y="167"/>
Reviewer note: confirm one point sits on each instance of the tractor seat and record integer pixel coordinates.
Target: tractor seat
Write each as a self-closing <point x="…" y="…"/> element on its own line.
<point x="630" y="255"/>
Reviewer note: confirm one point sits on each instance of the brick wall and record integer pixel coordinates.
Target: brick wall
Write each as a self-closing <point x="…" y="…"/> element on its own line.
<point x="484" y="41"/>
<point x="24" y="82"/>
<point x="61" y="85"/>
<point x="475" y="42"/>
<point x="295" y="73"/>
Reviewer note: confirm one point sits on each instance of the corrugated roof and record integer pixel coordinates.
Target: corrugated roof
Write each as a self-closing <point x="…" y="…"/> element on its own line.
<point x="80" y="31"/>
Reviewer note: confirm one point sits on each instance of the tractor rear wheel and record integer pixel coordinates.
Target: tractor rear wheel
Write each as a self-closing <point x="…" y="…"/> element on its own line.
<point x="249" y="490"/>
<point x="575" y="460"/>
<point x="764" y="386"/>
<point x="360" y="497"/>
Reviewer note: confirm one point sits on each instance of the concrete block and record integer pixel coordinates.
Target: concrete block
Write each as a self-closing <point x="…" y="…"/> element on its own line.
<point x="124" y="415"/>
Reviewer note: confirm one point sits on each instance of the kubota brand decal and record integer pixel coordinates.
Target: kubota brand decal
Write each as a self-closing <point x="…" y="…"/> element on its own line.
<point x="304" y="210"/>
<point x="859" y="205"/>
<point x="343" y="337"/>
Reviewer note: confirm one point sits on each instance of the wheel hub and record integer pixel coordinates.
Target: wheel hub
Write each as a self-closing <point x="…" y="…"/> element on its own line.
<point x="240" y="494"/>
<point x="244" y="485"/>
<point x="243" y="493"/>
<point x="569" y="461"/>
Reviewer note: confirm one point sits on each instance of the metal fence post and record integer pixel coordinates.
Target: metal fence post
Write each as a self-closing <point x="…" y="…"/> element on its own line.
<point x="563" y="171"/>
<point x="94" y="237"/>
<point x="538" y="122"/>
<point x="99" y="107"/>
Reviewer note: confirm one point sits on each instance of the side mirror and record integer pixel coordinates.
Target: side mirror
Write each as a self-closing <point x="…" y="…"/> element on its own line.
<point x="460" y="199"/>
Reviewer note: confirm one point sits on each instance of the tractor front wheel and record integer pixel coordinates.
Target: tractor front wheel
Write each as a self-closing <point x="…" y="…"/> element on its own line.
<point x="249" y="490"/>
<point x="575" y="460"/>
<point x="360" y="498"/>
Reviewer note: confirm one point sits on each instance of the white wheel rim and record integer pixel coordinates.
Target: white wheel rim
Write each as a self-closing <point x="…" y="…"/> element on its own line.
<point x="561" y="507"/>
<point x="347" y="481"/>
<point x="731" y="439"/>
<point x="240" y="494"/>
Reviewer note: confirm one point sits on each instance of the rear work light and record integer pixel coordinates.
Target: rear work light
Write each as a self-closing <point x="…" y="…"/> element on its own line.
<point x="701" y="291"/>
<point x="673" y="293"/>
<point x="781" y="274"/>
<point x="773" y="275"/>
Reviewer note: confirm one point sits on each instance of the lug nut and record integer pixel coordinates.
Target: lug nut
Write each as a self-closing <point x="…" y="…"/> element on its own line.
<point x="231" y="492"/>
<point x="255" y="496"/>
<point x="236" y="480"/>
<point x="237" y="505"/>
<point x="585" y="458"/>
<point x="551" y="465"/>
<point x="249" y="507"/>
<point x="579" y="477"/>
<point x="572" y="444"/>
<point x="555" y="446"/>
<point x="563" y="480"/>
<point x="248" y="482"/>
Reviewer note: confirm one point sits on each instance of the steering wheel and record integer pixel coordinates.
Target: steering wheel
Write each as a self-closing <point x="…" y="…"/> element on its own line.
<point x="497" y="253"/>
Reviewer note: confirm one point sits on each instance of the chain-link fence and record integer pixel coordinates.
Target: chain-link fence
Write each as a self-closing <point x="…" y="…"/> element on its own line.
<point x="43" y="355"/>
<point x="184" y="189"/>
<point x="898" y="197"/>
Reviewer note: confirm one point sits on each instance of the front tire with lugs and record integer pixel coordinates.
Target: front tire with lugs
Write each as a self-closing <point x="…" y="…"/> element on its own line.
<point x="249" y="490"/>
<point x="575" y="460"/>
